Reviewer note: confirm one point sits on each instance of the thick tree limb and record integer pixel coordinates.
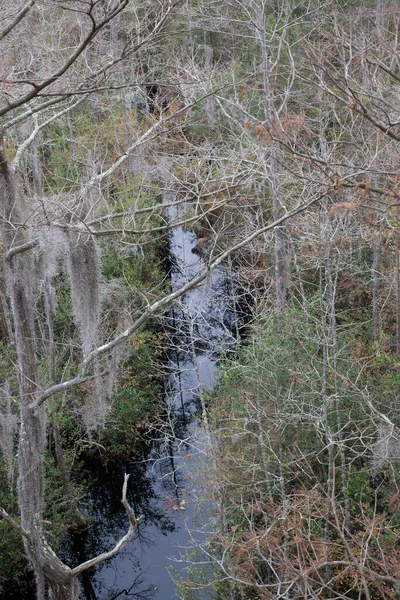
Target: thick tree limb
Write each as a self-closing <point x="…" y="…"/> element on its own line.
<point x="22" y="248"/>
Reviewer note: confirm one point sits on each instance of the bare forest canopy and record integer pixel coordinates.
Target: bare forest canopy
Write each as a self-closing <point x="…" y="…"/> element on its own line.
<point x="272" y="127"/>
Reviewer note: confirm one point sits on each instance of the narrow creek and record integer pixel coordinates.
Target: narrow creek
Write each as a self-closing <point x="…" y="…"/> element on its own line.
<point x="167" y="476"/>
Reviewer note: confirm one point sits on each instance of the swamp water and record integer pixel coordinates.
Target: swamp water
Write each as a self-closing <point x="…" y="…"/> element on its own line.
<point x="169" y="471"/>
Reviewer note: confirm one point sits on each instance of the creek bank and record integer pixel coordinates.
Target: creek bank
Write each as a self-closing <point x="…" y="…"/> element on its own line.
<point x="167" y="473"/>
<point x="166" y="463"/>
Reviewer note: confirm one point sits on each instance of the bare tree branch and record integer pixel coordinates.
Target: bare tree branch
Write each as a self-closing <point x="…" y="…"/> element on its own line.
<point x="95" y="29"/>
<point x="22" y="248"/>
<point x="14" y="524"/>
<point x="17" y="19"/>
<point x="133" y="523"/>
<point x="25" y="145"/>
<point x="32" y="111"/>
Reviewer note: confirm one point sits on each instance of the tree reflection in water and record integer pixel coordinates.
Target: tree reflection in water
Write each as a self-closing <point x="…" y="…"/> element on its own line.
<point x="168" y="465"/>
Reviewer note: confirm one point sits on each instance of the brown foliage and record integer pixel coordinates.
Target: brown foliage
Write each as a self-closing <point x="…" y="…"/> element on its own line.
<point x="394" y="502"/>
<point x="242" y="90"/>
<point x="343" y="210"/>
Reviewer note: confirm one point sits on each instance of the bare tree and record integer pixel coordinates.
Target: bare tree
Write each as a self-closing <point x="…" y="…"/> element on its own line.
<point x="43" y="230"/>
<point x="307" y="445"/>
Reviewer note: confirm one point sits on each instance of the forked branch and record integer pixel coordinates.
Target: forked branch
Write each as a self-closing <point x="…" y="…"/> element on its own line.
<point x="70" y="573"/>
<point x="133" y="523"/>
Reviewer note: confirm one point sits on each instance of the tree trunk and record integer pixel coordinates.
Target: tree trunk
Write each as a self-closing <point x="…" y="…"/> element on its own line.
<point x="32" y="429"/>
<point x="47" y="567"/>
<point x="380" y="17"/>
<point x="281" y="255"/>
<point x="59" y="456"/>
<point x="6" y="333"/>
<point x="299" y="278"/>
<point x="51" y="574"/>
<point x="36" y="170"/>
<point x="376" y="267"/>
<point x="62" y="586"/>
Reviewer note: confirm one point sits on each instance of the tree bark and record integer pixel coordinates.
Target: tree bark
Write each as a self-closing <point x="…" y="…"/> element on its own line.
<point x="6" y="333"/>
<point x="32" y="428"/>
<point x="36" y="169"/>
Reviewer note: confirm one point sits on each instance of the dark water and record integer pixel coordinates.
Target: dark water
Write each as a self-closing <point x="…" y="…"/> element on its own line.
<point x="168" y="474"/>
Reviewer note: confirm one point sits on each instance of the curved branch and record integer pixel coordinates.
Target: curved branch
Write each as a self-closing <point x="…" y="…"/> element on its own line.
<point x="133" y="523"/>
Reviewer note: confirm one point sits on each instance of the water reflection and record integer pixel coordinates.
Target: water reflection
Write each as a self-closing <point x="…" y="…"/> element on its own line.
<point x="167" y="472"/>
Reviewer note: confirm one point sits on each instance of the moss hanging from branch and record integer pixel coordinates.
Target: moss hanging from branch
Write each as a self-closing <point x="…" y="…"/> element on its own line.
<point x="84" y="274"/>
<point x="8" y="426"/>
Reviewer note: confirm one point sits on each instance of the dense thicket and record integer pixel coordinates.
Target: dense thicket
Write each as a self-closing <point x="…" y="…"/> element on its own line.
<point x="276" y="126"/>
